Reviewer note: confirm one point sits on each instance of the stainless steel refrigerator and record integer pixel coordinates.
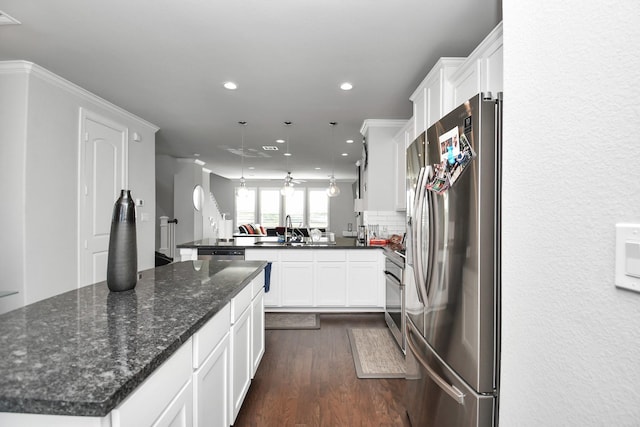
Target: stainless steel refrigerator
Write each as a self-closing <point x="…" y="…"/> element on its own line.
<point x="453" y="322"/>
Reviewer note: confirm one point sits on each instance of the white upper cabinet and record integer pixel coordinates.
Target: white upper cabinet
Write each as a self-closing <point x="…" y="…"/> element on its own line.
<point x="432" y="99"/>
<point x="482" y="71"/>
<point x="402" y="139"/>
<point x="378" y="192"/>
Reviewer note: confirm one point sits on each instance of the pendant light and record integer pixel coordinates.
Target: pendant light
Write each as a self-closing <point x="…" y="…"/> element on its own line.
<point x="333" y="190"/>
<point x="287" y="188"/>
<point x="242" y="190"/>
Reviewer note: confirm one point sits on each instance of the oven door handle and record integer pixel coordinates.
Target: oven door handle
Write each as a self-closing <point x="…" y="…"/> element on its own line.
<point x="393" y="276"/>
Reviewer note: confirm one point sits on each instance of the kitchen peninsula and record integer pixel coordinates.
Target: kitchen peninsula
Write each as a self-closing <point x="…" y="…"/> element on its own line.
<point x="189" y="332"/>
<point x="316" y="277"/>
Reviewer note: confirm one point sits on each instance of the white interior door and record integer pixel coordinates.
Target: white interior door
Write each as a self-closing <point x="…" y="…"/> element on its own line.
<point x="103" y="166"/>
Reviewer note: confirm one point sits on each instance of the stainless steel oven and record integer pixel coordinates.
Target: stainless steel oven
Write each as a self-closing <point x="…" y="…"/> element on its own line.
<point x="394" y="302"/>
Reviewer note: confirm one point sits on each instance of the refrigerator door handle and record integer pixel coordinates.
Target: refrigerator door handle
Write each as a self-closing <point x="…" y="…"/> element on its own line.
<point x="450" y="389"/>
<point x="417" y="237"/>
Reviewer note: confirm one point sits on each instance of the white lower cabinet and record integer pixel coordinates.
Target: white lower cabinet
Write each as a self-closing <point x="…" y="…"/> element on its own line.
<point x="211" y="387"/>
<point x="240" y="361"/>
<point x="297" y="283"/>
<point x="179" y="413"/>
<point x="331" y="286"/>
<point x="326" y="279"/>
<point x="257" y="330"/>
<point x="163" y="398"/>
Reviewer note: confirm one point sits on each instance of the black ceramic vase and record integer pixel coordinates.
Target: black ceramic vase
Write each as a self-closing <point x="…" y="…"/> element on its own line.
<point x="122" y="261"/>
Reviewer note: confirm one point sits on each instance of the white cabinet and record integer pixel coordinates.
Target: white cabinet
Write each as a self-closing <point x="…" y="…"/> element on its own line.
<point x="257" y="323"/>
<point x="297" y="283"/>
<point x="240" y="350"/>
<point x="378" y="175"/>
<point x="271" y="298"/>
<point x="211" y="388"/>
<point x="179" y="413"/>
<point x="364" y="268"/>
<point x="325" y="279"/>
<point x="211" y="361"/>
<point x="331" y="278"/>
<point x="482" y="71"/>
<point x="401" y="141"/>
<point x="433" y="97"/>
<point x="297" y="277"/>
<point x="163" y="398"/>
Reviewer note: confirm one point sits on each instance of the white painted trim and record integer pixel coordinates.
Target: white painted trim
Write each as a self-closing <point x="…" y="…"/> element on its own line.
<point x="486" y="44"/>
<point x="9" y="67"/>
<point x="441" y="64"/>
<point x="379" y="123"/>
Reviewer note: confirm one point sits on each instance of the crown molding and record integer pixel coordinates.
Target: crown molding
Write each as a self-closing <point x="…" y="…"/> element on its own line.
<point x="18" y="67"/>
<point x="381" y="123"/>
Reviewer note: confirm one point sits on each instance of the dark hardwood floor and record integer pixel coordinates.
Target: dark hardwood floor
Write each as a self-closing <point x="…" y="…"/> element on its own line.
<point x="307" y="378"/>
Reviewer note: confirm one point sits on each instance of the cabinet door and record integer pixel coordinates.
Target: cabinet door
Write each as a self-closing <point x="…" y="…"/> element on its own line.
<point x="297" y="283"/>
<point x="271" y="298"/>
<point x="240" y="361"/>
<point x="211" y="388"/>
<point x="331" y="284"/>
<point x="179" y="413"/>
<point x="401" y="173"/>
<point x="363" y="283"/>
<point x="257" y="332"/>
<point x="149" y="402"/>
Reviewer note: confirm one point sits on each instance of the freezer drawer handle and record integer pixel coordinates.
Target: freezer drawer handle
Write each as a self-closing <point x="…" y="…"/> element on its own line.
<point x="450" y="389"/>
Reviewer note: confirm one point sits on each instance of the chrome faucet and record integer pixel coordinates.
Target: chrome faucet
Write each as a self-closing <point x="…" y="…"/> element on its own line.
<point x="288" y="225"/>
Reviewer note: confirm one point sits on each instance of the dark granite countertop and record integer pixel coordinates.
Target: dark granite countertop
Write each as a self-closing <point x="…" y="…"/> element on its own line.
<point x="268" y="242"/>
<point x="82" y="352"/>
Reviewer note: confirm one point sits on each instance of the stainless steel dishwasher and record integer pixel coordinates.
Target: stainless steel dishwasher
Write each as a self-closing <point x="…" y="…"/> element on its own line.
<point x="220" y="254"/>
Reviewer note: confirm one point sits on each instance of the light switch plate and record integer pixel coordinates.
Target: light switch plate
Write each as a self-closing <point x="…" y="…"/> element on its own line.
<point x="628" y="256"/>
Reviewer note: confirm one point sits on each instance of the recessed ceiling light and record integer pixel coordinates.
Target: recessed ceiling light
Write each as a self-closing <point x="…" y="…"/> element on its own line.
<point x="287" y="154"/>
<point x="280" y="141"/>
<point x="349" y="141"/>
<point x="196" y="154"/>
<point x="346" y="86"/>
<point x="251" y="168"/>
<point x="317" y="169"/>
<point x="345" y="154"/>
<point x="230" y="85"/>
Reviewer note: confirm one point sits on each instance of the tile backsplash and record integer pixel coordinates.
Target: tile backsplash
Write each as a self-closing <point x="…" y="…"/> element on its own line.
<point x="395" y="222"/>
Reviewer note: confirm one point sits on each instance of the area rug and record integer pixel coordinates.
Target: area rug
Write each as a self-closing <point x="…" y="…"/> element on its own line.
<point x="376" y="354"/>
<point x="291" y="321"/>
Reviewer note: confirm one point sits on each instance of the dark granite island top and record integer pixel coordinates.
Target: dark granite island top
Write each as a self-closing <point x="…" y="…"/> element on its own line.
<point x="83" y="352"/>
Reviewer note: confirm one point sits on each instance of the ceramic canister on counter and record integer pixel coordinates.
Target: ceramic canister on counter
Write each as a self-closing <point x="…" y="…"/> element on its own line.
<point x="122" y="261"/>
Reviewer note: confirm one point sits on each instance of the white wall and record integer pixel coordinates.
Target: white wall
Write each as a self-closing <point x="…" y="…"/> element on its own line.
<point x="48" y="166"/>
<point x="13" y="130"/>
<point x="571" y="340"/>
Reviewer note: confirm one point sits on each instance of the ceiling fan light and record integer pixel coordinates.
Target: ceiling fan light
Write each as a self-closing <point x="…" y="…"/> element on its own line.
<point x="287" y="189"/>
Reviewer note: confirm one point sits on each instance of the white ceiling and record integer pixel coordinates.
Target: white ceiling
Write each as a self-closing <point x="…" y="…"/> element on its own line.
<point x="165" y="61"/>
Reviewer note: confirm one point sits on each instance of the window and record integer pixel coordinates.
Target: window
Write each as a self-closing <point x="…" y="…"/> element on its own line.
<point x="308" y="207"/>
<point x="318" y="208"/>
<point x="269" y="208"/>
<point x="294" y="206"/>
<point x="246" y="208"/>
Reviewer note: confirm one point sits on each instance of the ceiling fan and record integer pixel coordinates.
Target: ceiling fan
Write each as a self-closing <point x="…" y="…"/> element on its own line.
<point x="290" y="179"/>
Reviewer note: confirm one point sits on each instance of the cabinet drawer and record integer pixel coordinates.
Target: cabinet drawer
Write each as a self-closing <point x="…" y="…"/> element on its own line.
<point x="208" y="337"/>
<point x="257" y="283"/>
<point x="240" y="302"/>
<point x="296" y="255"/>
<point x="145" y="405"/>
<point x="363" y="254"/>
<point x="331" y="255"/>
<point x="261" y="254"/>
